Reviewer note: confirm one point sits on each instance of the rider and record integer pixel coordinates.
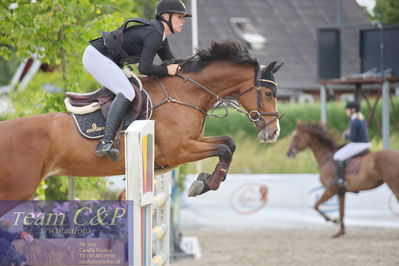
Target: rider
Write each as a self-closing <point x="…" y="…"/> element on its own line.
<point x="358" y="136"/>
<point x="103" y="60"/>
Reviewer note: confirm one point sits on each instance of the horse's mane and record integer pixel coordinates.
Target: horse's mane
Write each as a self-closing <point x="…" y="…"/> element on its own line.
<point x="231" y="50"/>
<point x="321" y="133"/>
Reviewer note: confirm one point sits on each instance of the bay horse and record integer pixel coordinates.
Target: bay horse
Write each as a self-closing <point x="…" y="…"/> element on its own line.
<point x="33" y="148"/>
<point x="362" y="173"/>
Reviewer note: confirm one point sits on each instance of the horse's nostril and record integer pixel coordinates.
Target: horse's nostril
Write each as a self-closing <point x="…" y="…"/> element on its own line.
<point x="274" y="133"/>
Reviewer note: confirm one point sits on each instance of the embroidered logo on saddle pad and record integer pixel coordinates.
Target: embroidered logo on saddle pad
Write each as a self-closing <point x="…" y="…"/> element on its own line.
<point x="94" y="128"/>
<point x="90" y="125"/>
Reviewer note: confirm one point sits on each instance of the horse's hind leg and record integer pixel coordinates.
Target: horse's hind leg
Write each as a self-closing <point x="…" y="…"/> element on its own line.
<point x="391" y="178"/>
<point x="387" y="165"/>
<point x="15" y="191"/>
<point x="394" y="186"/>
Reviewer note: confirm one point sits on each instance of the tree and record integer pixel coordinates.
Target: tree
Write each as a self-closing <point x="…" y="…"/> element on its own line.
<point x="147" y="8"/>
<point x="386" y="11"/>
<point x="58" y="30"/>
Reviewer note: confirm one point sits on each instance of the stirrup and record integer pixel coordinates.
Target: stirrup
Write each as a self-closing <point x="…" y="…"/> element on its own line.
<point x="113" y="154"/>
<point x="103" y="147"/>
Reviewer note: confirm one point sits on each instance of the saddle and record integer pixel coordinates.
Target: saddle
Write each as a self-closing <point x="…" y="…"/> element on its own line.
<point x="90" y="110"/>
<point x="102" y="99"/>
<point x="353" y="163"/>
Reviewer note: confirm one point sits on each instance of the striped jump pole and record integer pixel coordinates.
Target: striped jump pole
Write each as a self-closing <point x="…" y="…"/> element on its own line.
<point x="148" y="199"/>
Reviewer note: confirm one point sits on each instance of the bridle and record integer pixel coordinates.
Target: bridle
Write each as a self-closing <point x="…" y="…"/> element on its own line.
<point x="255" y="116"/>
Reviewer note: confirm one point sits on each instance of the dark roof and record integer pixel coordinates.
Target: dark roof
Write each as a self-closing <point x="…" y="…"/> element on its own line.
<point x="290" y="27"/>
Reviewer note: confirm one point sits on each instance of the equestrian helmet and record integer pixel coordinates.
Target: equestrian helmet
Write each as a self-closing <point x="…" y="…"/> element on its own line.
<point x="171" y="6"/>
<point x="353" y="105"/>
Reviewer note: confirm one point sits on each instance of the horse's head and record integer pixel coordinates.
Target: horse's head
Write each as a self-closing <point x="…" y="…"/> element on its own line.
<point x="228" y="65"/>
<point x="260" y="101"/>
<point x="300" y="140"/>
<point x="307" y="134"/>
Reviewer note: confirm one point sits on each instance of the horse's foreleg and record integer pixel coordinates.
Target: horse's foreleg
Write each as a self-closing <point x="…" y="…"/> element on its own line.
<point x="341" y="214"/>
<point x="205" y="181"/>
<point x="326" y="196"/>
<point x="225" y="140"/>
<point x="223" y="147"/>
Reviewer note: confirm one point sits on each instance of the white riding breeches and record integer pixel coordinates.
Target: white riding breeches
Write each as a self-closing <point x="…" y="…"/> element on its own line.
<point x="107" y="73"/>
<point x="350" y="150"/>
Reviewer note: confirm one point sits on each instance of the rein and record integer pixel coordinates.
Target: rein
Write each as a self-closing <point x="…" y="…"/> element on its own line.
<point x="255" y="116"/>
<point x="169" y="99"/>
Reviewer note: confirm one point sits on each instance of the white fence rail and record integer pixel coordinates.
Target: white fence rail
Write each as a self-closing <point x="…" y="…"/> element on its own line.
<point x="283" y="200"/>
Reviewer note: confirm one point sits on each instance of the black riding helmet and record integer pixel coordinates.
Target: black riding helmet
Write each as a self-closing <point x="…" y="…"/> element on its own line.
<point x="170" y="7"/>
<point x="353" y="105"/>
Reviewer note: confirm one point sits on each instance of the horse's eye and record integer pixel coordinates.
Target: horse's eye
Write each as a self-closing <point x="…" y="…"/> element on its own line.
<point x="268" y="94"/>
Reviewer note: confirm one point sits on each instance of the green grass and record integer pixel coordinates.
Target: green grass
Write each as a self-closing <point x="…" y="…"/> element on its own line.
<point x="376" y="143"/>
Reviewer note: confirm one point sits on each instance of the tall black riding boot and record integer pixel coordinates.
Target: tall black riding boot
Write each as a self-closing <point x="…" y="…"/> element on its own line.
<point x="114" y="119"/>
<point x="340" y="174"/>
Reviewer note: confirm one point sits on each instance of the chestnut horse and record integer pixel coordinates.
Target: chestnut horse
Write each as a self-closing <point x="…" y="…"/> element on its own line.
<point x="375" y="168"/>
<point x="33" y="148"/>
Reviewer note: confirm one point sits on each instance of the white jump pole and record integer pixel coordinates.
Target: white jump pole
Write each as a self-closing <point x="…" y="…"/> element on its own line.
<point x="148" y="199"/>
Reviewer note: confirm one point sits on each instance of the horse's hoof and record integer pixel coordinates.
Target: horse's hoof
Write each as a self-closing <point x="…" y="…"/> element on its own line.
<point x="335" y="220"/>
<point x="340" y="233"/>
<point x="203" y="177"/>
<point x="196" y="188"/>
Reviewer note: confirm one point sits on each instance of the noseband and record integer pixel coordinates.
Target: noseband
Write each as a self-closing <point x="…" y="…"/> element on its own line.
<point x="255" y="116"/>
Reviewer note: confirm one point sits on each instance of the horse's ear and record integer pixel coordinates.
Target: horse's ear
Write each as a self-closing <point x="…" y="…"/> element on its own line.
<point x="277" y="67"/>
<point x="270" y="67"/>
<point x="298" y="122"/>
